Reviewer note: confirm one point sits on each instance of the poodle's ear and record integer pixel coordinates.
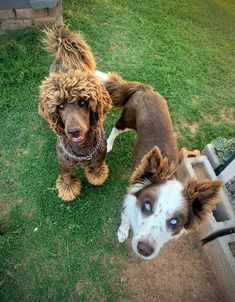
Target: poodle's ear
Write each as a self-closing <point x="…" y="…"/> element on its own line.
<point x="99" y="107"/>
<point x="49" y="98"/>
<point x="153" y="167"/>
<point x="201" y="197"/>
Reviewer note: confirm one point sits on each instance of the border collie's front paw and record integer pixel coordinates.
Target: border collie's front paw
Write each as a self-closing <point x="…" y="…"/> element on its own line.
<point x="122" y="234"/>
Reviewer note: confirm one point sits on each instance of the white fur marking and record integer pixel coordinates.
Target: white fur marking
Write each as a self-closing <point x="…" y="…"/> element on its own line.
<point x="128" y="217"/>
<point x="103" y="77"/>
<point x="114" y="133"/>
<point x="123" y="230"/>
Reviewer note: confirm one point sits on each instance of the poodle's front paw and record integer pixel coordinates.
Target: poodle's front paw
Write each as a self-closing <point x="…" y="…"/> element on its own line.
<point x="98" y="176"/>
<point x="68" y="192"/>
<point x="122" y="234"/>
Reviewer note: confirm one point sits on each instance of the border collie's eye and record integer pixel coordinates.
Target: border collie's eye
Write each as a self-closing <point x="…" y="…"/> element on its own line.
<point x="61" y="106"/>
<point x="82" y="103"/>
<point x="147" y="208"/>
<point x="173" y="221"/>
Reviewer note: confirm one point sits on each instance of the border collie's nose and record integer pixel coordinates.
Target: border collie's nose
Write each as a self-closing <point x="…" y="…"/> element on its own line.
<point x="74" y="131"/>
<point x="144" y="249"/>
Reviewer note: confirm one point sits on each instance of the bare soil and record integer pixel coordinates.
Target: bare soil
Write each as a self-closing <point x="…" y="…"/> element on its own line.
<point x="179" y="273"/>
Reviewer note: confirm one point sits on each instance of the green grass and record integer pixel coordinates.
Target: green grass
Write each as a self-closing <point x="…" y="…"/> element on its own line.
<point x="185" y="49"/>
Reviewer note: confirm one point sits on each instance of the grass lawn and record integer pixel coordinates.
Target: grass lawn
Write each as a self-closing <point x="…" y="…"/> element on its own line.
<point x="55" y="251"/>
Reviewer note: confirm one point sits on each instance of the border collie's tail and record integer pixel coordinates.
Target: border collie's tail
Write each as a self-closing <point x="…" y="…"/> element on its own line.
<point x="119" y="89"/>
<point x="70" y="48"/>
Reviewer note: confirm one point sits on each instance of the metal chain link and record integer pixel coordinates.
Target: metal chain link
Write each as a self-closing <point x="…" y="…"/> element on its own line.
<point x="81" y="158"/>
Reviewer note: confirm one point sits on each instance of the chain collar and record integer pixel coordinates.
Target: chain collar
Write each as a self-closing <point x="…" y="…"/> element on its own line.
<point x="82" y="158"/>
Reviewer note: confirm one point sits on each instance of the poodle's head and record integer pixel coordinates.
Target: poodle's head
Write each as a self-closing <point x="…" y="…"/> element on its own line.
<point x="73" y="103"/>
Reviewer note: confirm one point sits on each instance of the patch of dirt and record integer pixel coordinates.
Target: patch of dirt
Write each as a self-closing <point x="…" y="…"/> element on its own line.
<point x="114" y="46"/>
<point x="228" y="115"/>
<point x="193" y="127"/>
<point x="179" y="273"/>
<point x="178" y="134"/>
<point x="80" y="286"/>
<point x="4" y="209"/>
<point x="195" y="100"/>
<point x="29" y="214"/>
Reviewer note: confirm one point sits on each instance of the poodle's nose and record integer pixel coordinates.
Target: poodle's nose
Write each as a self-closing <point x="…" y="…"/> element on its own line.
<point x="74" y="131"/>
<point x="145" y="249"/>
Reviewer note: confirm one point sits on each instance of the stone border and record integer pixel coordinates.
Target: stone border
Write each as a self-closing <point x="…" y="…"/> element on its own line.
<point x="213" y="158"/>
<point x="223" y="216"/>
<point x="220" y="251"/>
<point x="221" y="255"/>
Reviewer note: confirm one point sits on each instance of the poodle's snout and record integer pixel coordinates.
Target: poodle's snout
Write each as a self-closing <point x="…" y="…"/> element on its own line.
<point x="74" y="131"/>
<point x="145" y="249"/>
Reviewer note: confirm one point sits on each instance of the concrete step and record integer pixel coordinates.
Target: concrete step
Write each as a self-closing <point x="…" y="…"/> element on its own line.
<point x="220" y="251"/>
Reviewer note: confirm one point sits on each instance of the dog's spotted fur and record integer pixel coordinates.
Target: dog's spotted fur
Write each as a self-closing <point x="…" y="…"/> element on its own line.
<point x="157" y="206"/>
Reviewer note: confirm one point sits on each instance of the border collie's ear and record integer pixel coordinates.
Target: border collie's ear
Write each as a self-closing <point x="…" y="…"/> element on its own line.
<point x="153" y="167"/>
<point x="201" y="196"/>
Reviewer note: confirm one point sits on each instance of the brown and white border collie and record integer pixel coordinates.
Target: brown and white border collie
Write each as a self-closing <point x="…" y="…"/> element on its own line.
<point x="157" y="206"/>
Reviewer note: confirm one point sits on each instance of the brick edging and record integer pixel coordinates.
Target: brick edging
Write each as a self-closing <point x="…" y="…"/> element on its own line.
<point x="24" y="17"/>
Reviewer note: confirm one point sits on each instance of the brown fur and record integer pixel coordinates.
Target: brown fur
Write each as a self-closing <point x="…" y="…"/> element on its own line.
<point x="97" y="177"/>
<point x="72" y="98"/>
<point x="202" y="196"/>
<point x="68" y="190"/>
<point x="145" y="111"/>
<point x="69" y="48"/>
<point x="149" y="193"/>
<point x="121" y="90"/>
<point x="153" y="167"/>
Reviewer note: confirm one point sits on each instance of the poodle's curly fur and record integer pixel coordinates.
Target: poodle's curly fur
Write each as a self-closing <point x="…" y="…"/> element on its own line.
<point x="72" y="82"/>
<point x="57" y="87"/>
<point x="69" y="48"/>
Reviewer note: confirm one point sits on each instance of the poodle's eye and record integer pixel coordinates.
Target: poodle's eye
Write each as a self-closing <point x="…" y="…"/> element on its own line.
<point x="61" y="106"/>
<point x="82" y="103"/>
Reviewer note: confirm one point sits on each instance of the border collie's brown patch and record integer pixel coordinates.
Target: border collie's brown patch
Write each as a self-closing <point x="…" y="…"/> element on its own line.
<point x="154" y="167"/>
<point x="202" y="196"/>
<point x="148" y="194"/>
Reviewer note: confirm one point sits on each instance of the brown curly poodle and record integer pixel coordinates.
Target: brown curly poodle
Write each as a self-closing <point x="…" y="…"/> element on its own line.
<point x="74" y="103"/>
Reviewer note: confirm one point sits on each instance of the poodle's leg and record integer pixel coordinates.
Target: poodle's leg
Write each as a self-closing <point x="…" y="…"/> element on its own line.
<point x="114" y="133"/>
<point x="68" y="186"/>
<point x="97" y="175"/>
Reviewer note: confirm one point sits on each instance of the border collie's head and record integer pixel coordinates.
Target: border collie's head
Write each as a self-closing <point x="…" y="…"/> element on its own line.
<point x="164" y="207"/>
